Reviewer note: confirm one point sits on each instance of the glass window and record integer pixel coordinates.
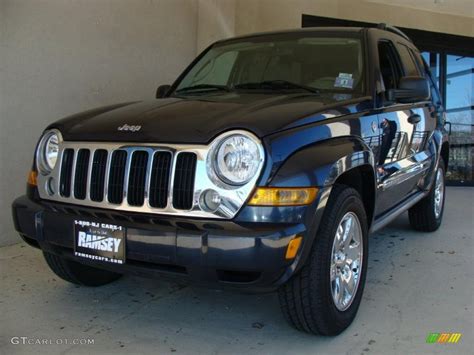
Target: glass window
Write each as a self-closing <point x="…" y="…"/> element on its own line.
<point x="459" y="82"/>
<point x="461" y="151"/>
<point x="433" y="61"/>
<point x="333" y="64"/>
<point x="435" y="94"/>
<point x="460" y="114"/>
<point x="409" y="65"/>
<point x="214" y="72"/>
<point x="389" y="67"/>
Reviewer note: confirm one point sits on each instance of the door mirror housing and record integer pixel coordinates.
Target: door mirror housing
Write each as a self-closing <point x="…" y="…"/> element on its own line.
<point x="162" y="91"/>
<point x="410" y="89"/>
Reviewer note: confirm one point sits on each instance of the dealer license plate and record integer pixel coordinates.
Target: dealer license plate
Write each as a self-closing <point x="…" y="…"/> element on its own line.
<point x="99" y="241"/>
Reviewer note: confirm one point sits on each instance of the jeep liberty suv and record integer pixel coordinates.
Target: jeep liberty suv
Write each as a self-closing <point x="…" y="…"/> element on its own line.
<point x="264" y="167"/>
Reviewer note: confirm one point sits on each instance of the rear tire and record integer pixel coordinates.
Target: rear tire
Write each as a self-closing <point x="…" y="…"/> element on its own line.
<point x="427" y="215"/>
<point x="79" y="274"/>
<point x="308" y="299"/>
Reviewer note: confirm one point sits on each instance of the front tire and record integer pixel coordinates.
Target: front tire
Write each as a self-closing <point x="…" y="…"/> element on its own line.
<point x="323" y="298"/>
<point x="427" y="215"/>
<point x="79" y="274"/>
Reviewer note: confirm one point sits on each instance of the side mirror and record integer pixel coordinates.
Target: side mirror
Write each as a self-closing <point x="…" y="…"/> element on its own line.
<point x="410" y="89"/>
<point x="162" y="91"/>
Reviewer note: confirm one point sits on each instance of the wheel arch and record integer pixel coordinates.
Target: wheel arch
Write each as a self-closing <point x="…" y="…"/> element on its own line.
<point x="445" y="154"/>
<point x="343" y="160"/>
<point x="362" y="179"/>
<point x="321" y="164"/>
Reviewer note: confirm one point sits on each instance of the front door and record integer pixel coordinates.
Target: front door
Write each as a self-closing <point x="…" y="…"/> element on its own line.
<point x="404" y="131"/>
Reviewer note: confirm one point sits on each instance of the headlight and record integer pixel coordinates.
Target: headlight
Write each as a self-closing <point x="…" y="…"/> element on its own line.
<point x="237" y="158"/>
<point x="48" y="149"/>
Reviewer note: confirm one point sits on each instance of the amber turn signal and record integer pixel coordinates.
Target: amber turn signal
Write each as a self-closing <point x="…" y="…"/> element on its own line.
<point x="32" y="178"/>
<point x="293" y="248"/>
<point x="283" y="196"/>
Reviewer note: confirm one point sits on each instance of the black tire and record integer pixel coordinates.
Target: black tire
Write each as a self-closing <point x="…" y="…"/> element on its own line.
<point x="422" y="216"/>
<point x="77" y="273"/>
<point x="306" y="299"/>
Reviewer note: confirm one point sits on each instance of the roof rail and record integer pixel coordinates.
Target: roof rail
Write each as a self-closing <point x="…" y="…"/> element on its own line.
<point x="393" y="29"/>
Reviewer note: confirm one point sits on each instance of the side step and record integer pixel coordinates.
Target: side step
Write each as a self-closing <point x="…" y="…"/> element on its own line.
<point x="396" y="211"/>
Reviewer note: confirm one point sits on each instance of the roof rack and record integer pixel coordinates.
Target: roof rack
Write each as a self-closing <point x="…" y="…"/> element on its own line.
<point x="393" y="29"/>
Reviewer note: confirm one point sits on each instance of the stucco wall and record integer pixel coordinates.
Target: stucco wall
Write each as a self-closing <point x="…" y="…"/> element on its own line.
<point x="60" y="57"/>
<point x="266" y="15"/>
<point x="216" y="20"/>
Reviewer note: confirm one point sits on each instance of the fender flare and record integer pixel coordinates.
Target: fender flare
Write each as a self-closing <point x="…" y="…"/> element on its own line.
<point x="434" y="147"/>
<point x="324" y="162"/>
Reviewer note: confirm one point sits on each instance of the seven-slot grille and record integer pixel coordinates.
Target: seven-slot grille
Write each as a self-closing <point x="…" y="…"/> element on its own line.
<point x="132" y="176"/>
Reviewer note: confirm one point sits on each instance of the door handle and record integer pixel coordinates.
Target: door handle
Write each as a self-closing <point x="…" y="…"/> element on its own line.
<point x="414" y="119"/>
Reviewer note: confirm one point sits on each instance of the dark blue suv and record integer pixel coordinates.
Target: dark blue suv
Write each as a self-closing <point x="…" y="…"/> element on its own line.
<point x="264" y="167"/>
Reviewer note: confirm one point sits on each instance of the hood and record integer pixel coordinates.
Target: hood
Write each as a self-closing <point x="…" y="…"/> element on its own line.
<point x="199" y="119"/>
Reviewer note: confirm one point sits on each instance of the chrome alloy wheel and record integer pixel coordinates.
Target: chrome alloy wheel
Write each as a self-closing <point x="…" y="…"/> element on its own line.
<point x="346" y="261"/>
<point x="439" y="193"/>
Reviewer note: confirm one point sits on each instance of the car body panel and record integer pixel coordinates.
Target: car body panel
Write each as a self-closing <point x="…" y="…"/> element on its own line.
<point x="197" y="120"/>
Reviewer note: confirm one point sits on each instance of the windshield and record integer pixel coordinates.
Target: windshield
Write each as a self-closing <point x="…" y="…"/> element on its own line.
<point x="302" y="62"/>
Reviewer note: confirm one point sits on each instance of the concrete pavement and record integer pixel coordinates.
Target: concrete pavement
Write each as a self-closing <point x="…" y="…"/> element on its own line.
<point x="417" y="283"/>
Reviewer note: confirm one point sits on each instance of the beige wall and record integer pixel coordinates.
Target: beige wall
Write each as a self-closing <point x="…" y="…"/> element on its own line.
<point x="59" y="57"/>
<point x="265" y="15"/>
<point x="216" y="20"/>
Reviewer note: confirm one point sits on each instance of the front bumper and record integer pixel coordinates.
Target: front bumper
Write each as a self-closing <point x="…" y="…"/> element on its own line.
<point x="242" y="255"/>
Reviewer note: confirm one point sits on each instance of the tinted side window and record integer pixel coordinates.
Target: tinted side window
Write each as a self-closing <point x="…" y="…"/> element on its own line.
<point x="389" y="65"/>
<point x="409" y="65"/>
<point x="418" y="61"/>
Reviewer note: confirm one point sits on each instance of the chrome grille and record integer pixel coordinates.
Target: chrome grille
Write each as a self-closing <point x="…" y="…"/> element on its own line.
<point x="97" y="184"/>
<point x="159" y="183"/>
<point x="66" y="173"/>
<point x="117" y="176"/>
<point x="136" y="180"/>
<point x="136" y="176"/>
<point x="148" y="178"/>
<point x="80" y="175"/>
<point x="184" y="181"/>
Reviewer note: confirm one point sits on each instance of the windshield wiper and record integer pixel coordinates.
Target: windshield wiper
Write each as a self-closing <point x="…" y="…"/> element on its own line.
<point x="205" y="87"/>
<point x="276" y="85"/>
